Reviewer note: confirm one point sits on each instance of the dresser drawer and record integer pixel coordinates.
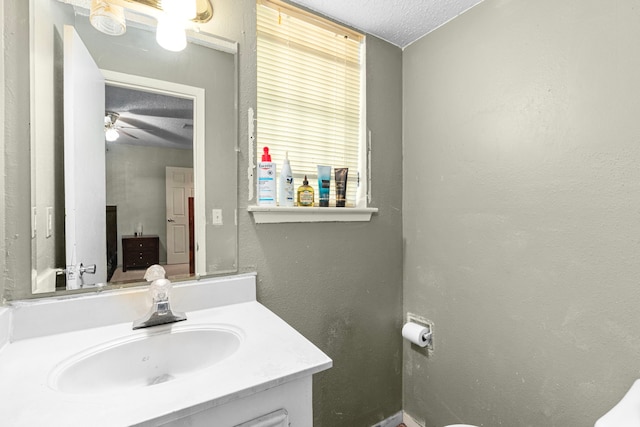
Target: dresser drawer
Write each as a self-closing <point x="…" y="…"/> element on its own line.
<point x="140" y="251"/>
<point x="140" y="244"/>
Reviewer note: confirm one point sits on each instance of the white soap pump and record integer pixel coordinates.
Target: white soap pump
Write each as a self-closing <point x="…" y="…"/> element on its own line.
<point x="286" y="192"/>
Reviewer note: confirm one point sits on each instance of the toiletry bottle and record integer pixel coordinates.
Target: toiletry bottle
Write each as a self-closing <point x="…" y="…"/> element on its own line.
<point x="324" y="185"/>
<point x="266" y="180"/>
<point x="285" y="190"/>
<point x="341" y="187"/>
<point x="305" y="193"/>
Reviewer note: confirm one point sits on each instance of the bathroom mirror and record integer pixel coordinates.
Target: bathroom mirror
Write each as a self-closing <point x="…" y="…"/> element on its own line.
<point x="164" y="191"/>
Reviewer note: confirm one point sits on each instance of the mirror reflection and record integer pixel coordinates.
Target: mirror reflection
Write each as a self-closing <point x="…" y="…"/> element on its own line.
<point x="150" y="192"/>
<point x="133" y="162"/>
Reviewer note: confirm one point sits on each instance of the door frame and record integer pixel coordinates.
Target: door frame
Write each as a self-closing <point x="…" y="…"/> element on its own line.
<point x="196" y="94"/>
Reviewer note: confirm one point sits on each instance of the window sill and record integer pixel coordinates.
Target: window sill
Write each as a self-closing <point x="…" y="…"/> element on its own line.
<point x="277" y="214"/>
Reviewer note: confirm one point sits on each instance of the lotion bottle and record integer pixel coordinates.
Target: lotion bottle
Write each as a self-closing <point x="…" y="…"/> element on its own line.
<point x="305" y="194"/>
<point x="285" y="190"/>
<point x="266" y="180"/>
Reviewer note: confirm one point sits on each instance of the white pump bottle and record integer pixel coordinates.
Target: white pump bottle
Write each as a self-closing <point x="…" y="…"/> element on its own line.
<point x="286" y="191"/>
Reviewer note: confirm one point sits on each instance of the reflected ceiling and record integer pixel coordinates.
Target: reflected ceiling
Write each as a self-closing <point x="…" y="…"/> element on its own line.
<point x="150" y="119"/>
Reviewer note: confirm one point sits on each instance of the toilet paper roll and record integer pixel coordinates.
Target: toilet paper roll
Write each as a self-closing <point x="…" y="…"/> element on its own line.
<point x="417" y="334"/>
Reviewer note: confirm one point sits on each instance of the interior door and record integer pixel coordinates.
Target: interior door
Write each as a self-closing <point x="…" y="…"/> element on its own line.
<point x="179" y="189"/>
<point x="84" y="165"/>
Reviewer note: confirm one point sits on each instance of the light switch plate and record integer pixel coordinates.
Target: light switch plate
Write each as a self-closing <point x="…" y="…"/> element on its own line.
<point x="34" y="221"/>
<point x="49" y="221"/>
<point x="216" y="216"/>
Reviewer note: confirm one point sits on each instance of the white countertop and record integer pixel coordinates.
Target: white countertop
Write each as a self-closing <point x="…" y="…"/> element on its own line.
<point x="271" y="353"/>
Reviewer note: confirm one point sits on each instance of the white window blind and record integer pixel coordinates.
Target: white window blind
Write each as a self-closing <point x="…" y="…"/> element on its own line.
<point x="309" y="95"/>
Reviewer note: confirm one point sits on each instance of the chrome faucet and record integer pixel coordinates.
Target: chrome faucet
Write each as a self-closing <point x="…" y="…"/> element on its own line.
<point x="160" y="312"/>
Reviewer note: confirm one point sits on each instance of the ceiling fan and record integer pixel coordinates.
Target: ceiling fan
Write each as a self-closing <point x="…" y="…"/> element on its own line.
<point x="111" y="131"/>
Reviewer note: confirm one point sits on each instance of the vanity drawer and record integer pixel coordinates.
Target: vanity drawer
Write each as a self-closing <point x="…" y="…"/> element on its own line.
<point x="140" y="251"/>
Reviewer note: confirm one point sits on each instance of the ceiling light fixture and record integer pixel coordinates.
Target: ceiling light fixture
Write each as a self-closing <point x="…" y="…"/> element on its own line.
<point x="110" y="131"/>
<point x="172" y="17"/>
<point x="107" y="18"/>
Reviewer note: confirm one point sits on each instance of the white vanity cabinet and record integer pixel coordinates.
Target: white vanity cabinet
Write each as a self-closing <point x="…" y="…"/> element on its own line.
<point x="73" y="369"/>
<point x="285" y="405"/>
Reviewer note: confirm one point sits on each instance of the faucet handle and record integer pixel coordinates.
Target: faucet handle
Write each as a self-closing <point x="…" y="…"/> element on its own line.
<point x="160" y="312"/>
<point x="155" y="272"/>
<point x="160" y="289"/>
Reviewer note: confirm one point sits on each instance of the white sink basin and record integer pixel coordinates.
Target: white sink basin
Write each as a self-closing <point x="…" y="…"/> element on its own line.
<point x="145" y="358"/>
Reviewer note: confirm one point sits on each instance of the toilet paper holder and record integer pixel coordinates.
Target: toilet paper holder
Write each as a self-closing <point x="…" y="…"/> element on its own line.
<point x="426" y="323"/>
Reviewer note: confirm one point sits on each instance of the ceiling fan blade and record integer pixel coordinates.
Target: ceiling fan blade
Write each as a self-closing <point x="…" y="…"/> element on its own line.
<point x="173" y="113"/>
<point x="156" y="131"/>
<point x="124" y="132"/>
<point x="136" y="123"/>
<point x="135" y="128"/>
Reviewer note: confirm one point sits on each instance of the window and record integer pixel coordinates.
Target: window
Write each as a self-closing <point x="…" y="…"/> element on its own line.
<point x="310" y="96"/>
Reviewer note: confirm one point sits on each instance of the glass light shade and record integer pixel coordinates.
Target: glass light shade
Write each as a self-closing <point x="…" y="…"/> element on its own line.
<point x="107" y="18"/>
<point x="170" y="33"/>
<point x="111" y="134"/>
<point x="184" y="9"/>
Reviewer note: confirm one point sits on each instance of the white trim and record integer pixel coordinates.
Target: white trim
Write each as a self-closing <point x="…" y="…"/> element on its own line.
<point x="196" y="94"/>
<point x="211" y="41"/>
<point x="3" y="184"/>
<point x="252" y="150"/>
<point x="393" y="421"/>
<point x="363" y="195"/>
<point x="277" y="214"/>
<point x="409" y="421"/>
<point x="5" y="326"/>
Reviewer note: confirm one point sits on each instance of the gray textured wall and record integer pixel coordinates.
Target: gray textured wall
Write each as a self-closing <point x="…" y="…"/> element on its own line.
<point x="338" y="284"/>
<point x="521" y="200"/>
<point x="16" y="154"/>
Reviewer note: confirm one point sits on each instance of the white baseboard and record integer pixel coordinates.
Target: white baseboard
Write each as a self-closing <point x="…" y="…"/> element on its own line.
<point x="409" y="421"/>
<point x="393" y="421"/>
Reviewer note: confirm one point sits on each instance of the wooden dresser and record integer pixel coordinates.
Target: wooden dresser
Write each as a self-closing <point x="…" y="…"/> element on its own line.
<point x="140" y="251"/>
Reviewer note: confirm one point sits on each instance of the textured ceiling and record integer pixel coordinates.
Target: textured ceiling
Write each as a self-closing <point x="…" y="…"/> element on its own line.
<point x="400" y="22"/>
<point x="150" y="119"/>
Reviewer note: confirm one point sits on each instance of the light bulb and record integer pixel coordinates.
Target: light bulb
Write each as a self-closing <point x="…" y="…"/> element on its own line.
<point x="170" y="33"/>
<point x="184" y="9"/>
<point x="111" y="134"/>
